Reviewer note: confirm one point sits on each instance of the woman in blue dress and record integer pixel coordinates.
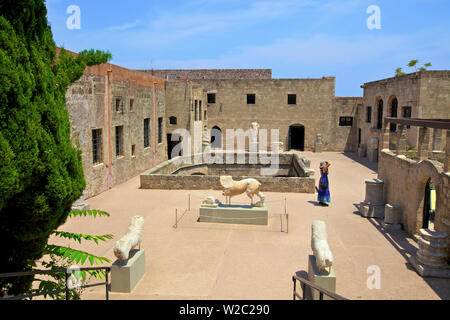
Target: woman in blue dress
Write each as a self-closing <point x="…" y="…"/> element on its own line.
<point x="324" y="190"/>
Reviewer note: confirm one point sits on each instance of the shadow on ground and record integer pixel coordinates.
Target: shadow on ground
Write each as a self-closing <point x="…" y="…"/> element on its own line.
<point x="364" y="161"/>
<point x="401" y="241"/>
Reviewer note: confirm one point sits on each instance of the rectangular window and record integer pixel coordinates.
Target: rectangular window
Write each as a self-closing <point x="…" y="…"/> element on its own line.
<point x="133" y="150"/>
<point x="119" y="104"/>
<point x="97" y="146"/>
<point x="292" y="99"/>
<point x="196" y="110"/>
<point x="369" y="115"/>
<point x="200" y="110"/>
<point x="131" y="104"/>
<point x="119" y="141"/>
<point x="146" y="133"/>
<point x="160" y="129"/>
<point x="204" y="115"/>
<point x="345" y="121"/>
<point x="251" y="98"/>
<point x="407" y="112"/>
<point x="211" y="98"/>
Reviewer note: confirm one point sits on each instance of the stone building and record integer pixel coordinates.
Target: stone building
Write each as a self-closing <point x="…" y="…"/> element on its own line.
<point x="118" y="122"/>
<point x="299" y="108"/>
<point x="424" y="95"/>
<point x="126" y="121"/>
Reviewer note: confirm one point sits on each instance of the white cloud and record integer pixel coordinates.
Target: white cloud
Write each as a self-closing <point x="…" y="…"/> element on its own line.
<point x="125" y="26"/>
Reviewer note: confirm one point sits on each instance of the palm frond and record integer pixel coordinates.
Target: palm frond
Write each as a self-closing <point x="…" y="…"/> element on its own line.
<point x="75" y="256"/>
<point x="84" y="213"/>
<point x="79" y="236"/>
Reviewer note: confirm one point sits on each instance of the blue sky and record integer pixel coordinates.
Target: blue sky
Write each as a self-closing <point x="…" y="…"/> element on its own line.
<point x="294" y="38"/>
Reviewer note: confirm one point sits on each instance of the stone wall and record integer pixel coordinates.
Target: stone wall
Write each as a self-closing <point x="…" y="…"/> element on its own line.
<point x="344" y="138"/>
<point x="316" y="109"/>
<point x="211" y="74"/>
<point x="183" y="173"/>
<point x="207" y="182"/>
<point x="404" y="184"/>
<point x="89" y="101"/>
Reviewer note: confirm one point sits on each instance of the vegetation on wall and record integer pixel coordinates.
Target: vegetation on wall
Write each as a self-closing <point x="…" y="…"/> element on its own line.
<point x="41" y="172"/>
<point x="412" y="64"/>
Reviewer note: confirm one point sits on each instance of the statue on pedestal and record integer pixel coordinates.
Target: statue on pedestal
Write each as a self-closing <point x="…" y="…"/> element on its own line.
<point x="233" y="188"/>
<point x="131" y="239"/>
<point x="319" y="245"/>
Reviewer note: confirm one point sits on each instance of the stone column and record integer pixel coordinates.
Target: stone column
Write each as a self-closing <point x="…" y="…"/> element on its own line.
<point x="431" y="257"/>
<point x="372" y="151"/>
<point x="386" y="137"/>
<point x="447" y="153"/>
<point x="401" y="142"/>
<point x="373" y="205"/>
<point x="424" y="141"/>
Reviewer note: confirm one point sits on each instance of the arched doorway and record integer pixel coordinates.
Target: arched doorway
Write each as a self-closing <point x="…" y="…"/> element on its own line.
<point x="297" y="137"/>
<point x="380" y="114"/>
<point x="429" y="206"/>
<point x="216" y="138"/>
<point x="394" y="112"/>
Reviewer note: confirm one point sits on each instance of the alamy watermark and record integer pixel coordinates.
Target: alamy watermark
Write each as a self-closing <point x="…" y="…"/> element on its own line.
<point x="374" y="20"/>
<point x="374" y="280"/>
<point x="74" y="20"/>
<point x="74" y="279"/>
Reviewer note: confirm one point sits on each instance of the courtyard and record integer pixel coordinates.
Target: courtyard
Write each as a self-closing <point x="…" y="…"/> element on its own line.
<point x="221" y="261"/>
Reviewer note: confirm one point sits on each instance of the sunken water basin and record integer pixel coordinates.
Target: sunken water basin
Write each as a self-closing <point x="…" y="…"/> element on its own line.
<point x="292" y="174"/>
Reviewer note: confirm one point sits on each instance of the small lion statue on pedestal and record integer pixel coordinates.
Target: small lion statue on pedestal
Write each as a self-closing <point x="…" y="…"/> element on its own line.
<point x="233" y="188"/>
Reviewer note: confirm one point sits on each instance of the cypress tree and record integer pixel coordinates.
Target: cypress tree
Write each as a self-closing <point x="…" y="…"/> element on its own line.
<point x="41" y="173"/>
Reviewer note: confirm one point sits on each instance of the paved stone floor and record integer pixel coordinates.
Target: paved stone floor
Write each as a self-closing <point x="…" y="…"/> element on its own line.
<point x="212" y="261"/>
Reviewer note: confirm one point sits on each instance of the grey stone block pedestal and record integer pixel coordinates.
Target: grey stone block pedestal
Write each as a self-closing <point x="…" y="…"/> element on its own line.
<point x="318" y="144"/>
<point x="326" y="281"/>
<point x="125" y="275"/>
<point x="392" y="217"/>
<point x="234" y="214"/>
<point x="373" y="205"/>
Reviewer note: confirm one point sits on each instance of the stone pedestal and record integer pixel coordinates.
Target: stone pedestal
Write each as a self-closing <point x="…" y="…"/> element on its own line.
<point x="253" y="146"/>
<point x="373" y="205"/>
<point x="318" y="144"/>
<point x="80" y="204"/>
<point x="372" y="150"/>
<point x="234" y="214"/>
<point x="432" y="256"/>
<point x="326" y="281"/>
<point x="392" y="217"/>
<point x="125" y="275"/>
<point x="362" y="151"/>
<point x="307" y="162"/>
<point x="372" y="155"/>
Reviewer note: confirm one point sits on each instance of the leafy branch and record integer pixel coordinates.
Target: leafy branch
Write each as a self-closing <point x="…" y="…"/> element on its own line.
<point x="412" y="64"/>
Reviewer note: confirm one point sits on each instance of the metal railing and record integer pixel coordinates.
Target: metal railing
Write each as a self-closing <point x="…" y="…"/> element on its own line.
<point x="66" y="289"/>
<point x="306" y="283"/>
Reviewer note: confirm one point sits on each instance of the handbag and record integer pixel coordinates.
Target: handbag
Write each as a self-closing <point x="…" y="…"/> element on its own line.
<point x="323" y="184"/>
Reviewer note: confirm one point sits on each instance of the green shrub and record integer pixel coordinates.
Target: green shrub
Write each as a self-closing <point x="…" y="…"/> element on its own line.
<point x="41" y="171"/>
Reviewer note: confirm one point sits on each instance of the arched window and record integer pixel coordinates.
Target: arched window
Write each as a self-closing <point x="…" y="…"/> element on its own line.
<point x="394" y="111"/>
<point x="380" y="115"/>
<point x="216" y="138"/>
